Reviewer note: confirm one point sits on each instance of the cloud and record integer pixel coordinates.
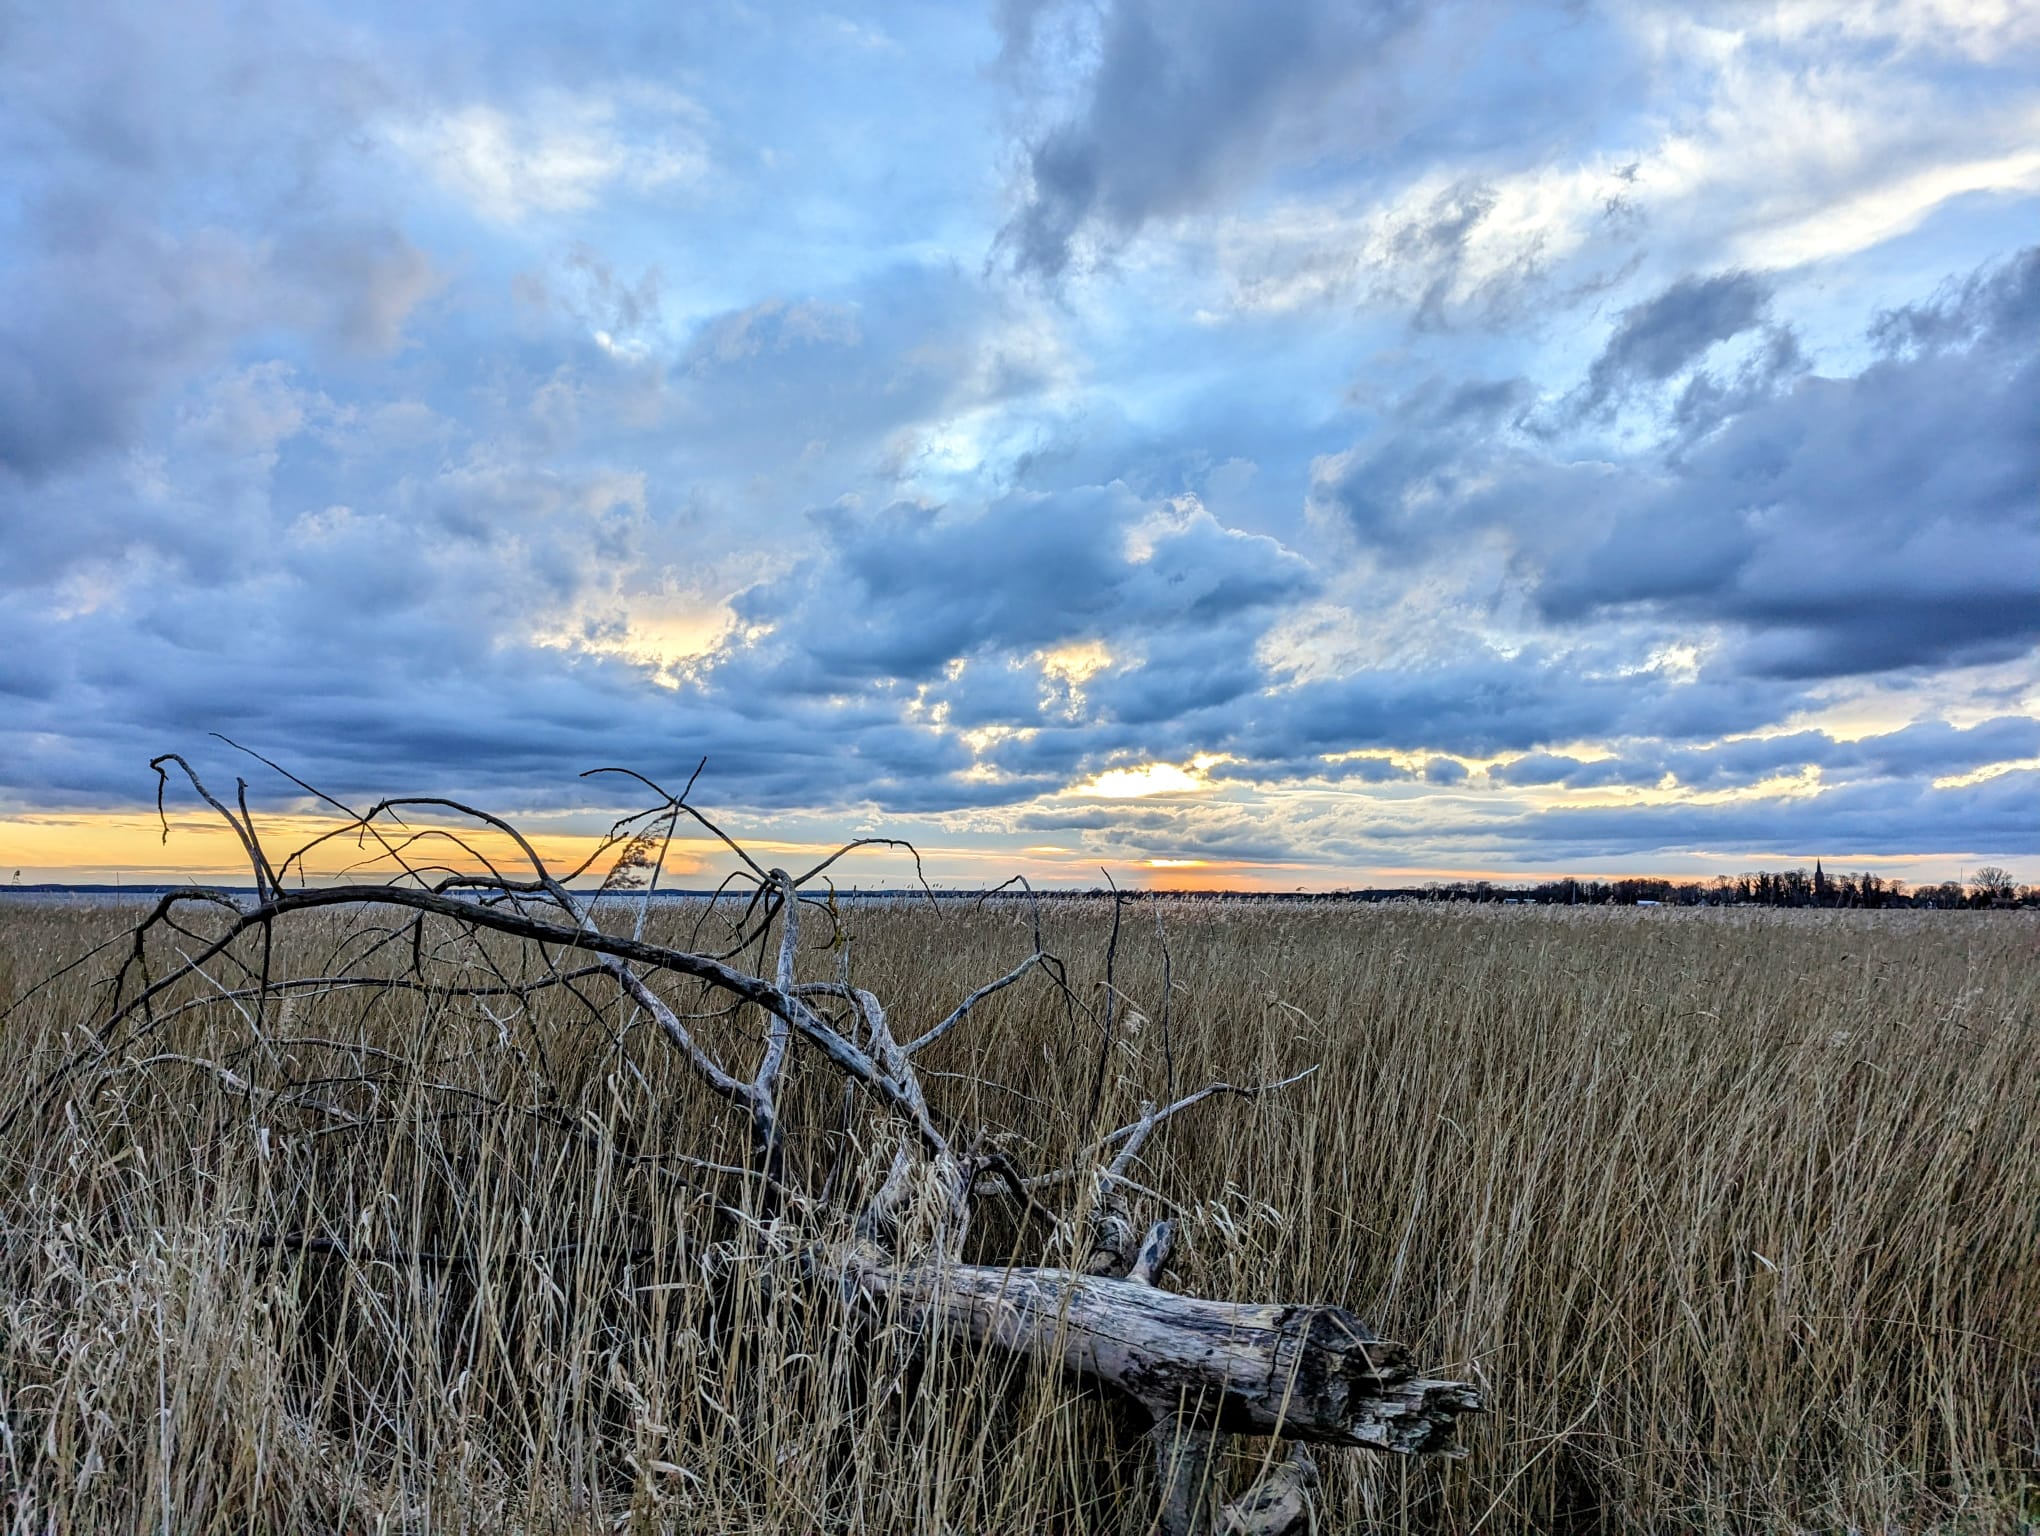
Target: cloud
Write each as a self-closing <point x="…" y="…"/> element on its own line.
<point x="1805" y="141"/>
<point x="856" y="387"/>
<point x="175" y="198"/>
<point x="1927" y="749"/>
<point x="1891" y="817"/>
<point x="1537" y="768"/>
<point x="1491" y="247"/>
<point x="356" y="284"/>
<point x="1709" y="400"/>
<point x="96" y="330"/>
<point x="1986" y="305"/>
<point x="1983" y="30"/>
<point x="603" y="300"/>
<point x="1179" y="102"/>
<point x="900" y="594"/>
<point x="109" y="317"/>
<point x="1847" y="525"/>
<point x="561" y="152"/>
<point x="1665" y="335"/>
<point x="1417" y="481"/>
<point x="1815" y="526"/>
<point x="1487" y="705"/>
<point x="1558" y="152"/>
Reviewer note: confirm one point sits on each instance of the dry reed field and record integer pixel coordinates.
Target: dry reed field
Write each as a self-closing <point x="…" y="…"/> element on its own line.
<point x="1734" y="1215"/>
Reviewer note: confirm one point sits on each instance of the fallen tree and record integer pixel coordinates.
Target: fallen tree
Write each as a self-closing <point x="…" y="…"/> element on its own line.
<point x="1193" y="1369"/>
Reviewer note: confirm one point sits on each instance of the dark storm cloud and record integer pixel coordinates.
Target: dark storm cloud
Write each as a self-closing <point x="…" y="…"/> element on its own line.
<point x="1537" y="768"/>
<point x="1179" y="102"/>
<point x="1204" y="668"/>
<point x="961" y="616"/>
<point x="902" y="593"/>
<point x="436" y="705"/>
<point x="1826" y="526"/>
<point x="1895" y="816"/>
<point x="385" y="645"/>
<point x="1472" y="708"/>
<point x="1414" y="483"/>
<point x="1935" y="748"/>
<point x="2002" y="299"/>
<point x="1349" y="770"/>
<point x="1708" y="400"/>
<point x="1852" y="525"/>
<point x="1486" y="706"/>
<point x="1929" y="749"/>
<point x="1665" y="335"/>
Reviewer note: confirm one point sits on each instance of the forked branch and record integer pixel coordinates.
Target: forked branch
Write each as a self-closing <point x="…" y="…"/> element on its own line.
<point x="1199" y="1368"/>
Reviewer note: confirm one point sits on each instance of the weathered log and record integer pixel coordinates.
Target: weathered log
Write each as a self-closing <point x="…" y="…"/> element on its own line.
<point x="1314" y="1373"/>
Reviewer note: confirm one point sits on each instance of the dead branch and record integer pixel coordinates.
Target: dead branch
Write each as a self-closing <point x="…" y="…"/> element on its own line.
<point x="1199" y="1368"/>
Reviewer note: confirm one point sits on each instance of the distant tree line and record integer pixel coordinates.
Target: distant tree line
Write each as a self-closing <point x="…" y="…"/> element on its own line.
<point x="1988" y="887"/>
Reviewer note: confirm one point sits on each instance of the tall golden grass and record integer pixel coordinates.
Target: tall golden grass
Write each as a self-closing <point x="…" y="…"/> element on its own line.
<point x="1737" y="1215"/>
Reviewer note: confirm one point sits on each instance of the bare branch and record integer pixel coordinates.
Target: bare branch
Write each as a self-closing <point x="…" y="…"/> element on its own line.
<point x="1155" y="1251"/>
<point x="779" y="1033"/>
<point x="704" y="1065"/>
<point x="872" y="842"/>
<point x="679" y="802"/>
<point x="257" y="864"/>
<point x="962" y="1009"/>
<point x="1200" y="1369"/>
<point x="1137" y="1133"/>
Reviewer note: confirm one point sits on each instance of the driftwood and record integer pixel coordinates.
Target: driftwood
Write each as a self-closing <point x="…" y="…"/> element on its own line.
<point x="1313" y="1373"/>
<point x="1198" y="1369"/>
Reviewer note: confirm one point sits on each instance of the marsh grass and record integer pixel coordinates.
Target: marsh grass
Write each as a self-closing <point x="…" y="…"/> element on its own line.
<point x="1737" y="1214"/>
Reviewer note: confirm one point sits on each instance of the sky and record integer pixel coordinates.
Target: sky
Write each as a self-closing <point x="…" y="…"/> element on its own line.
<point x="1215" y="443"/>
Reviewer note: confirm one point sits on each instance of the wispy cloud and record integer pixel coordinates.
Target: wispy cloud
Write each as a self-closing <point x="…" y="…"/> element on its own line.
<point x="559" y="153"/>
